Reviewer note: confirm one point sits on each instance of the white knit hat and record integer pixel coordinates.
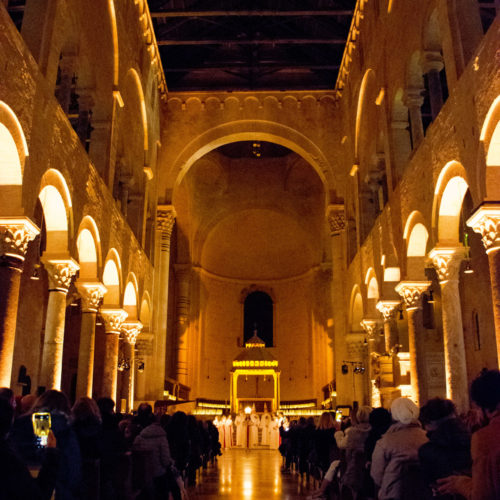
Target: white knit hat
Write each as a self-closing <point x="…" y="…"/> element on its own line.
<point x="404" y="410"/>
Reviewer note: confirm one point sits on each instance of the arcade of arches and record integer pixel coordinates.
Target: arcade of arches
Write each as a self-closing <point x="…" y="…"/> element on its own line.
<point x="145" y="234"/>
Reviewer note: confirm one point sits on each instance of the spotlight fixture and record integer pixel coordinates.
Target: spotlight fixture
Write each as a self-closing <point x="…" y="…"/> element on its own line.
<point x="345" y="369"/>
<point x="256" y="149"/>
<point x="140" y="366"/>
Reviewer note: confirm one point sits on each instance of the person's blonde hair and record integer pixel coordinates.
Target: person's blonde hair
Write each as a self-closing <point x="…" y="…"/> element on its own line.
<point x="326" y="421"/>
<point x="363" y="415"/>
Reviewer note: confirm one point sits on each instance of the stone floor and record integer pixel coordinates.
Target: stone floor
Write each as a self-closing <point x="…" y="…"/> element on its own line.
<point x="246" y="475"/>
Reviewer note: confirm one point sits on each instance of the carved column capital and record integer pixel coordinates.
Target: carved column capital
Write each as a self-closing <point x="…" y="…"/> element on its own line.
<point x="92" y="293"/>
<point x="413" y="97"/>
<point x="165" y="218"/>
<point x="412" y="291"/>
<point x="15" y="234"/>
<point x="335" y="214"/>
<point x="486" y="221"/>
<point x="447" y="261"/>
<point x="433" y="61"/>
<point x="61" y="271"/>
<point x="388" y="308"/>
<point x="113" y="319"/>
<point x="370" y="326"/>
<point x="131" y="330"/>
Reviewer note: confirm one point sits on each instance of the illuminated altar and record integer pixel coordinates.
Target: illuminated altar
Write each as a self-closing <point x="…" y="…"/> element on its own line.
<point x="255" y="378"/>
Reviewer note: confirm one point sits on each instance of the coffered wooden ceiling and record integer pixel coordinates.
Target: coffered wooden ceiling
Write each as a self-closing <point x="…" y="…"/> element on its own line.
<point x="251" y="44"/>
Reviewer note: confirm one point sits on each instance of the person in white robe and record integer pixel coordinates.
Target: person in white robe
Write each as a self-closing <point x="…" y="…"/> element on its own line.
<point x="218" y="424"/>
<point x="274" y="433"/>
<point x="228" y="432"/>
<point x="241" y="429"/>
<point x="265" y="425"/>
<point x="222" y="432"/>
<point x="253" y="433"/>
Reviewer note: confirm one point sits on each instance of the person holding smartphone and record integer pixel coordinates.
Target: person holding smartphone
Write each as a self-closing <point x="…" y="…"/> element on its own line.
<point x="16" y="481"/>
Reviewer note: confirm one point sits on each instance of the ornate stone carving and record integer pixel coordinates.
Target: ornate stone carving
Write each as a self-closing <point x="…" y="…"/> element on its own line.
<point x="113" y="319"/>
<point x="486" y="221"/>
<point x="91" y="294"/>
<point x="336" y="218"/>
<point x="165" y="218"/>
<point x="447" y="261"/>
<point x="15" y="234"/>
<point x="131" y="330"/>
<point x="412" y="291"/>
<point x="61" y="272"/>
<point x="388" y="308"/>
<point x="371" y="327"/>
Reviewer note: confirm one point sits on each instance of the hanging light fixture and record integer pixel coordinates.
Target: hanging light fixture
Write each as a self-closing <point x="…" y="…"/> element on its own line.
<point x="431" y="296"/>
<point x="401" y="313"/>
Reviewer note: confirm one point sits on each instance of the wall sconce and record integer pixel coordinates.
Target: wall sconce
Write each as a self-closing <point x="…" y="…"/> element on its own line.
<point x="345" y="369"/>
<point x="35" y="275"/>
<point x="140" y="366"/>
<point x="431" y="296"/>
<point x="468" y="268"/>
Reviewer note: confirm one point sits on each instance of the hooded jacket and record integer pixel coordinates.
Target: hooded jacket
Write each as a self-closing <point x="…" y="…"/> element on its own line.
<point x="396" y="448"/>
<point x="153" y="438"/>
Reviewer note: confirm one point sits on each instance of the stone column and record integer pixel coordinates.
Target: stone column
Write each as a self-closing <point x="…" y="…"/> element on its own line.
<point x="85" y="105"/>
<point x="61" y="272"/>
<point x="388" y="309"/>
<point x="412" y="291"/>
<point x="447" y="263"/>
<point x="486" y="222"/>
<point x="15" y="234"/>
<point x="113" y="319"/>
<point x="165" y="219"/>
<point x="67" y="69"/>
<point x="337" y="225"/>
<point x="413" y="100"/>
<point x="432" y="66"/>
<point x="91" y="294"/>
<point x="130" y="332"/>
<point x="183" y="275"/>
<point x="372" y="327"/>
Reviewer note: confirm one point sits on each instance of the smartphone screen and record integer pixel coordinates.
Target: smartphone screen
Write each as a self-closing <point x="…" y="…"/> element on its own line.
<point x="41" y="427"/>
<point x="338" y="416"/>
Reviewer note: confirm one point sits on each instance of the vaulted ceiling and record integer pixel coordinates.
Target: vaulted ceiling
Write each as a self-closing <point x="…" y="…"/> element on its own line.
<point x="251" y="44"/>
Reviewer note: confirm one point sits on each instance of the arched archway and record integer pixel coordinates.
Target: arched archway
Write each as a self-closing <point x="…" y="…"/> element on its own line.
<point x="130" y="297"/>
<point x="13" y="154"/>
<point x="89" y="249"/>
<point x="111" y="277"/>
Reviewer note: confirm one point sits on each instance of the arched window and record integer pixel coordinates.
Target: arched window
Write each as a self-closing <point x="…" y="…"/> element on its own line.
<point x="258" y="315"/>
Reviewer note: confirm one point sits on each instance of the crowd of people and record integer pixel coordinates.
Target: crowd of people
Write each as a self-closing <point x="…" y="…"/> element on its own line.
<point x="92" y="452"/>
<point x="403" y="454"/>
<point x="407" y="453"/>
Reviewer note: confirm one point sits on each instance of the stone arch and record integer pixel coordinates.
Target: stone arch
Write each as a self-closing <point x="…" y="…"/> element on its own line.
<point x="145" y="312"/>
<point x="133" y="76"/>
<point x="130" y="296"/>
<point x="13" y="154"/>
<point x="112" y="279"/>
<point x="490" y="138"/>
<point x="356" y="311"/>
<point x="56" y="204"/>
<point x="451" y="188"/>
<point x="114" y="35"/>
<point x="248" y="130"/>
<point x="372" y="289"/>
<point x="88" y="246"/>
<point x="367" y="86"/>
<point x="416" y="237"/>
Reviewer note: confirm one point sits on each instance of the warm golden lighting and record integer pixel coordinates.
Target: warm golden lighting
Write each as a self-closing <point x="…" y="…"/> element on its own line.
<point x="254" y="364"/>
<point x="248" y="410"/>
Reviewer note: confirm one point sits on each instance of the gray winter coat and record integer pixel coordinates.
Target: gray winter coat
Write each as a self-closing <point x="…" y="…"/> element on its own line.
<point x="397" y="447"/>
<point x="153" y="438"/>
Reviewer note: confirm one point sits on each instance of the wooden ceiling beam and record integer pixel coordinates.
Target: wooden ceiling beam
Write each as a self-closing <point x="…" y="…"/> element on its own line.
<point x="263" y="41"/>
<point x="250" y="13"/>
